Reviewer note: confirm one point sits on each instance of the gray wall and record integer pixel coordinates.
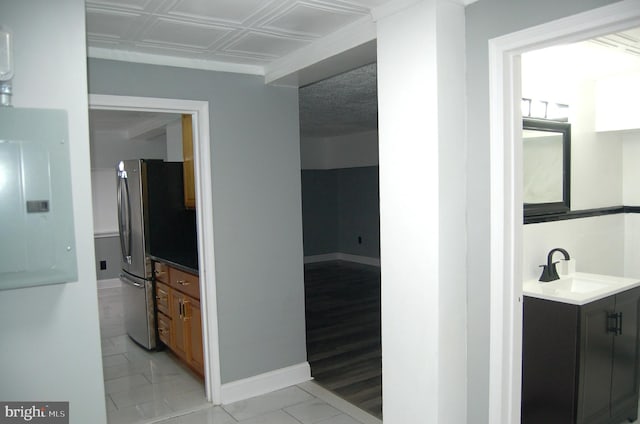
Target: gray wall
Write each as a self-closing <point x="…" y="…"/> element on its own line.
<point x="340" y="205"/>
<point x="487" y="19"/>
<point x="255" y="157"/>
<point x="320" y="211"/>
<point x="107" y="249"/>
<point x="50" y="335"/>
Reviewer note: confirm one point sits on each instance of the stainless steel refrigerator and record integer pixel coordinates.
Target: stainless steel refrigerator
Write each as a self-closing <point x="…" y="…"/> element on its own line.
<point x="152" y="221"/>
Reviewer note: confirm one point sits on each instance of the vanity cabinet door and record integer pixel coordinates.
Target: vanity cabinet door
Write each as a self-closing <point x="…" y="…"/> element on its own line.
<point x="624" y="381"/>
<point x="596" y="347"/>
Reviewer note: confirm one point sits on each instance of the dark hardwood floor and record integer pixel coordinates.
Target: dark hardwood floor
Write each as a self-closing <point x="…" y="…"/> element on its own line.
<point x="343" y="331"/>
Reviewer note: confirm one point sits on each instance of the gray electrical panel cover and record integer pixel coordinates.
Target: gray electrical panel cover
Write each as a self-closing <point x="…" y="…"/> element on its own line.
<point x="37" y="244"/>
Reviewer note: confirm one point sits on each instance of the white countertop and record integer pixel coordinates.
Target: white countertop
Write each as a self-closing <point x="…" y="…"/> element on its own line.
<point x="579" y="288"/>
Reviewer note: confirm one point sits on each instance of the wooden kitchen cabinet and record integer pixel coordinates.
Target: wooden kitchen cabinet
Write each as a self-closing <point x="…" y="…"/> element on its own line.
<point x="188" y="165"/>
<point x="162" y="298"/>
<point x="193" y="326"/>
<point x="179" y="315"/>
<point x="164" y="329"/>
<point x="179" y="342"/>
<point x="580" y="363"/>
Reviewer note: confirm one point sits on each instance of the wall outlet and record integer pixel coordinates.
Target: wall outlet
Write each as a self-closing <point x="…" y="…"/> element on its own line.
<point x="103" y="265"/>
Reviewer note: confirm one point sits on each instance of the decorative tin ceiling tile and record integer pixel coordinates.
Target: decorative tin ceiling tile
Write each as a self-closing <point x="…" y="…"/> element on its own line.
<point x="176" y="33"/>
<point x="306" y="18"/>
<point x="233" y="11"/>
<point x="112" y="24"/>
<point x="126" y="4"/>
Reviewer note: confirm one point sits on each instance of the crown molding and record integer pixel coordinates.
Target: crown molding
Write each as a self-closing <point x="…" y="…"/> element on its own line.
<point x="394" y="6"/>
<point x="180" y="62"/>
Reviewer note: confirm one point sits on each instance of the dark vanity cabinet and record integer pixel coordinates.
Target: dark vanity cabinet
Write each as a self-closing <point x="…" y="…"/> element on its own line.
<point x="580" y="363"/>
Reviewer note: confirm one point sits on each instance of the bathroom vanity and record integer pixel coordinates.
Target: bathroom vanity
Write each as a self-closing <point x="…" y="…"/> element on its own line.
<point x="581" y="351"/>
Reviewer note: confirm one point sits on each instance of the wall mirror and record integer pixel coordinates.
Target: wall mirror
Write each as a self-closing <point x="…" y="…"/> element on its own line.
<point x="546" y="166"/>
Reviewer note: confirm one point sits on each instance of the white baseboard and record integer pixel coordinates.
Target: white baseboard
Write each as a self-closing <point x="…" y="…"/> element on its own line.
<point x="265" y="383"/>
<point x="338" y="256"/>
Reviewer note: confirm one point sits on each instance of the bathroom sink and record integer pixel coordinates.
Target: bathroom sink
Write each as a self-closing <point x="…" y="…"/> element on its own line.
<point x="578" y="285"/>
<point x="579" y="288"/>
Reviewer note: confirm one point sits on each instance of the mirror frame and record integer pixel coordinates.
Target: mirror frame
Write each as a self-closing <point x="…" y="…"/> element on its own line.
<point x="564" y="206"/>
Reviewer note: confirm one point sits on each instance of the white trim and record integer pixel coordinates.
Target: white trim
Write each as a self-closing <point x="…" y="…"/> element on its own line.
<point x="265" y="383"/>
<point x="506" y="192"/>
<point x="180" y="62"/>
<point x="338" y="256"/>
<point x="390" y="8"/>
<point x="353" y="35"/>
<point x="204" y="206"/>
<point x="337" y="402"/>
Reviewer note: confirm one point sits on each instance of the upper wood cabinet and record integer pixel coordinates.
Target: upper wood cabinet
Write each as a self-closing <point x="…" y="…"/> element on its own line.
<point x="188" y="169"/>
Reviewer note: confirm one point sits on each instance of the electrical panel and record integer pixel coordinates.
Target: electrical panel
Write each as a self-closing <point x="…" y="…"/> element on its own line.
<point x="37" y="243"/>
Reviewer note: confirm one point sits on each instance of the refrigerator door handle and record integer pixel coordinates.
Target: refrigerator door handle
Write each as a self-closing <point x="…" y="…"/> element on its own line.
<point x="130" y="281"/>
<point x="124" y="220"/>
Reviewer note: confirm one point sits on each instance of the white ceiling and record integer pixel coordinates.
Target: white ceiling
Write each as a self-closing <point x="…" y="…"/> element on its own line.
<point x="240" y="35"/>
<point x="131" y="125"/>
<point x="249" y="36"/>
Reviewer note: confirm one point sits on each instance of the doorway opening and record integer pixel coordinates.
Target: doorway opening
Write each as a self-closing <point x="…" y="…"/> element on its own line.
<point x="197" y="112"/>
<point x="506" y="188"/>
<point x="341" y="235"/>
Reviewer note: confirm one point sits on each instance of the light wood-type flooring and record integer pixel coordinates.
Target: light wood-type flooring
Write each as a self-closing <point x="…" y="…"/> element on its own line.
<point x="343" y="331"/>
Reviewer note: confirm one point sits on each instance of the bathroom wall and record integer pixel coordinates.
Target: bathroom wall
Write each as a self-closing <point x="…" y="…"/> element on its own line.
<point x="597" y="244"/>
<point x="604" y="173"/>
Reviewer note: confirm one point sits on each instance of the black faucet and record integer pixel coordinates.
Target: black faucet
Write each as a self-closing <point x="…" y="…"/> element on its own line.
<point x="549" y="272"/>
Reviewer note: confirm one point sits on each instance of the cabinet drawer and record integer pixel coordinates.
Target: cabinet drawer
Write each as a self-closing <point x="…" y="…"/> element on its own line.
<point x="184" y="282"/>
<point x="164" y="329"/>
<point x="161" y="272"/>
<point x="162" y="298"/>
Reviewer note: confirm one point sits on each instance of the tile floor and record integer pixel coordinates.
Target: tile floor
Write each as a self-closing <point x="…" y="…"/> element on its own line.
<point x="150" y="387"/>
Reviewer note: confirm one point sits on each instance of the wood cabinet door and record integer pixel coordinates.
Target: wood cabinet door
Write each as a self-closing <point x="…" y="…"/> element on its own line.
<point x="162" y="298"/>
<point x="194" y="347"/>
<point x="177" y="324"/>
<point x="161" y="272"/>
<point x="186" y="283"/>
<point x="188" y="168"/>
<point x="596" y="352"/>
<point x="164" y="329"/>
<point x="624" y="382"/>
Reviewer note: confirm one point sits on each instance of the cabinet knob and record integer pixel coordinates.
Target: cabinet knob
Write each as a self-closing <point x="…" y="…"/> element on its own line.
<point x="183" y="282"/>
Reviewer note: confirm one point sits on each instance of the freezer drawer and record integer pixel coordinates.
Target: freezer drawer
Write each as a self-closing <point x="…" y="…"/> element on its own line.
<point x="139" y="316"/>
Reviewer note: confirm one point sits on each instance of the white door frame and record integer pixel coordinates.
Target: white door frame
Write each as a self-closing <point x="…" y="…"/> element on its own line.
<point x="505" y="361"/>
<point x="199" y="110"/>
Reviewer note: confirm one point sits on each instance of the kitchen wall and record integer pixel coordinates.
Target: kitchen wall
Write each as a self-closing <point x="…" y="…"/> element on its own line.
<point x="487" y="19"/>
<point x="255" y="157"/>
<point x="51" y="336"/>
<point x="107" y="148"/>
<point x="340" y="199"/>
